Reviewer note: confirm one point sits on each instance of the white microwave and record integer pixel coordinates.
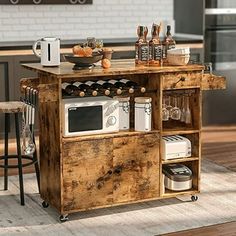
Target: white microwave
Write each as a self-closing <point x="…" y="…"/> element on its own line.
<point x="89" y="115"/>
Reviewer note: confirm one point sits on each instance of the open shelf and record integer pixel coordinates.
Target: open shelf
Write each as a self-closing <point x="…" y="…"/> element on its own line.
<point x="175" y="131"/>
<point x="193" y="165"/>
<point x="170" y="193"/>
<point x="108" y="135"/>
<point x="185" y="159"/>
<point x="180" y="99"/>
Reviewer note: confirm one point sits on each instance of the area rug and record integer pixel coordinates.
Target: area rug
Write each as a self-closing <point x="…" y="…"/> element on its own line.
<point x="216" y="204"/>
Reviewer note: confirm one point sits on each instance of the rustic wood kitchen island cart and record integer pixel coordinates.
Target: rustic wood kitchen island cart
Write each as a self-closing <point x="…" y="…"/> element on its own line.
<point x="94" y="171"/>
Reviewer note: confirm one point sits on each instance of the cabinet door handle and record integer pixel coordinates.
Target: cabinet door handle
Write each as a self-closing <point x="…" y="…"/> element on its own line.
<point x="108" y="175"/>
<point x="118" y="170"/>
<point x="101" y="181"/>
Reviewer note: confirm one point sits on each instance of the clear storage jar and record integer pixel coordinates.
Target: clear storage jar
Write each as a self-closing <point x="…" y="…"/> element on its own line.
<point x="143" y="114"/>
<point x="124" y="112"/>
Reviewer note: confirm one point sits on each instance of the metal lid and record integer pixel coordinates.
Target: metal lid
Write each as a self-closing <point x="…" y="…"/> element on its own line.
<point x="143" y="99"/>
<point x="177" y="172"/>
<point x="51" y="39"/>
<point x="122" y="98"/>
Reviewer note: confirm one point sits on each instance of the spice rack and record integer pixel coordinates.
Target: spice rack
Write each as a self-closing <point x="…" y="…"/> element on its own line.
<point x="104" y="170"/>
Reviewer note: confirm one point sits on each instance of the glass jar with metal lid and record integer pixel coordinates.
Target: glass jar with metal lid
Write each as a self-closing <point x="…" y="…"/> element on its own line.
<point x="124" y="112"/>
<point x="143" y="113"/>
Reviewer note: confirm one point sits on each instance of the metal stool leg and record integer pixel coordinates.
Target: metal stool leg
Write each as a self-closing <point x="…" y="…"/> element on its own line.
<point x="19" y="159"/>
<point x="7" y="117"/>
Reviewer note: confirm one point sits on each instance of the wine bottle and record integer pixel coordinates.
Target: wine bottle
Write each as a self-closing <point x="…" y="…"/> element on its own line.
<point x="71" y="89"/>
<point x="109" y="86"/>
<point x="98" y="87"/>
<point x="141" y="46"/>
<point x="168" y="43"/>
<point x="120" y="85"/>
<point x="67" y="88"/>
<point x="133" y="85"/>
<point x="155" y="47"/>
<point x="86" y="89"/>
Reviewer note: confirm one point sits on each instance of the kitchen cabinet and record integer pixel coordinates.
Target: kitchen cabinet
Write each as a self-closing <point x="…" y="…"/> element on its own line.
<point x="197" y="55"/>
<point x="189" y="16"/>
<point x="102" y="170"/>
<point x="99" y="169"/>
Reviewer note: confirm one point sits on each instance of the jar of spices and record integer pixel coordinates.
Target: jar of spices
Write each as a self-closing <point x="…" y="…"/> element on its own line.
<point x="124" y="112"/>
<point x="143" y="113"/>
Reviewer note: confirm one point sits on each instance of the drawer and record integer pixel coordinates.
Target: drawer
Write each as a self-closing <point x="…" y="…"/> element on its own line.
<point x="181" y="80"/>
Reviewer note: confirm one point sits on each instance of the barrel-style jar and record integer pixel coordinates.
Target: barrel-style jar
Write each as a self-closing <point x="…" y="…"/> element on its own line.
<point x="143" y="114"/>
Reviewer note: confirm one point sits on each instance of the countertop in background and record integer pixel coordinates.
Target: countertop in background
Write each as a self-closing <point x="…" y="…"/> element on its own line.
<point x="22" y="45"/>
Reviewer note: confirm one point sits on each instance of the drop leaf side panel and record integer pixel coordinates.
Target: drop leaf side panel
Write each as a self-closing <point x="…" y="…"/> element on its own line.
<point x="211" y="82"/>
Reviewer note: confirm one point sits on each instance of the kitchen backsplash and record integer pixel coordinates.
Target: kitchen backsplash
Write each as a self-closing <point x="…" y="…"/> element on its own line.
<point x="103" y="19"/>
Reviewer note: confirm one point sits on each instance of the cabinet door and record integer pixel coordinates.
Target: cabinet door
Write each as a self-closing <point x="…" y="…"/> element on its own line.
<point x="87" y="174"/>
<point x="135" y="168"/>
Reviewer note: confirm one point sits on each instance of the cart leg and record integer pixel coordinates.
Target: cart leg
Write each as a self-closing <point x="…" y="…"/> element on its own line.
<point x="64" y="218"/>
<point x="194" y="198"/>
<point x="45" y="204"/>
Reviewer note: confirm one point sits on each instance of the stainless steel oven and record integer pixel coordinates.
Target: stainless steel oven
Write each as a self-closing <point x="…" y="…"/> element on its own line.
<point x="220" y="49"/>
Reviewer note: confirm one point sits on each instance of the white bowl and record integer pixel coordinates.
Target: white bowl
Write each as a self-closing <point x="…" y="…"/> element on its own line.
<point x="178" y="59"/>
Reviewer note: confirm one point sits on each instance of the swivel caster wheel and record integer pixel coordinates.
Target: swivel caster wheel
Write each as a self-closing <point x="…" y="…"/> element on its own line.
<point x="63" y="218"/>
<point x="45" y="204"/>
<point x="194" y="198"/>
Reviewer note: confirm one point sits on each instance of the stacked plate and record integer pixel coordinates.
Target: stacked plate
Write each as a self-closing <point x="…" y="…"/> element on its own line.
<point x="178" y="56"/>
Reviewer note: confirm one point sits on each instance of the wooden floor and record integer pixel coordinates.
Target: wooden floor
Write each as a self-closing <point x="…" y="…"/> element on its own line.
<point x="227" y="229"/>
<point x="219" y="146"/>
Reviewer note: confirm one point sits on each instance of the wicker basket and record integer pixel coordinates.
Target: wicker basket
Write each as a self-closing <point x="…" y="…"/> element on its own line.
<point x="178" y="59"/>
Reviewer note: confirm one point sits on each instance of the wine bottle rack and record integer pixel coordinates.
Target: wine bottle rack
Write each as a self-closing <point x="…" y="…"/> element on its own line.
<point x="95" y="88"/>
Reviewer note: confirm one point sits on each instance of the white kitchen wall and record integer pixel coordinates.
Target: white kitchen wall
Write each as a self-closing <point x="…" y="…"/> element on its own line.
<point x="103" y="19"/>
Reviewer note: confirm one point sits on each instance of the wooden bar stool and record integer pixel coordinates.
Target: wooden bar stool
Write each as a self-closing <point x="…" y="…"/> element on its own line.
<point x="16" y="108"/>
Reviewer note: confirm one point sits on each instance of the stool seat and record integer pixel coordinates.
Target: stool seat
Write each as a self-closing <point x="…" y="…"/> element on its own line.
<point x="12" y="107"/>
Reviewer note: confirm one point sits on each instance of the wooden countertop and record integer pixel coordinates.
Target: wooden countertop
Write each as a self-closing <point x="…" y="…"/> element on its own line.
<point x="119" y="67"/>
<point x="68" y="50"/>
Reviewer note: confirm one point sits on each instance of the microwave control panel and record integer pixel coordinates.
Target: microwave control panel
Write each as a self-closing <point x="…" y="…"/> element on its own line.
<point x="39" y="2"/>
<point x="111" y="121"/>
